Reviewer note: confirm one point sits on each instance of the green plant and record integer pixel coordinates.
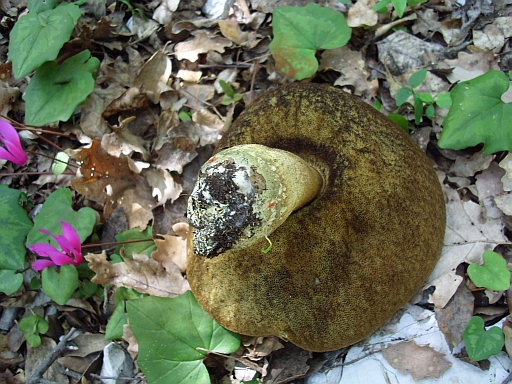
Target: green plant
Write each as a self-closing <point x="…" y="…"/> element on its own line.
<point x="493" y="274"/>
<point x="421" y="99"/>
<point x="32" y="327"/>
<point x="35" y="41"/>
<point x="299" y="32"/>
<point x="482" y="344"/>
<point x="479" y="115"/>
<point x="57" y="215"/>
<point x="15" y="227"/>
<point x="120" y="317"/>
<point x="230" y="95"/>
<point x="399" y="5"/>
<point x="175" y="335"/>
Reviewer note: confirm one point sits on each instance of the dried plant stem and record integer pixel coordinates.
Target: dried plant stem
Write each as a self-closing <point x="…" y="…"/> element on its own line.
<point x="37" y="375"/>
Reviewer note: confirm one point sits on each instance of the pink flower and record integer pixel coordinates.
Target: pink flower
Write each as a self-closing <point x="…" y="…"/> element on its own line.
<point x="71" y="249"/>
<point x="11" y="140"/>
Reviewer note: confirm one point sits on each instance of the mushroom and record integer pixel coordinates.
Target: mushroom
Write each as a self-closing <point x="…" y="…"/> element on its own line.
<point x="315" y="220"/>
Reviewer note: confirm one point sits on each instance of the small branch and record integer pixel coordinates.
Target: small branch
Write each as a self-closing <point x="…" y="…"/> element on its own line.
<point x="34" y="173"/>
<point x="37" y="375"/>
<point x="242" y="360"/>
<point x="117" y="243"/>
<point x="94" y="376"/>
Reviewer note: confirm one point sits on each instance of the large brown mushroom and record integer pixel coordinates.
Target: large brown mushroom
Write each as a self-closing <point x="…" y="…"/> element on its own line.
<point x="319" y="232"/>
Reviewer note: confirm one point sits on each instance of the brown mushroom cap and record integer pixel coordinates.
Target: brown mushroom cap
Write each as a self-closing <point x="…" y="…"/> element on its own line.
<point x="345" y="263"/>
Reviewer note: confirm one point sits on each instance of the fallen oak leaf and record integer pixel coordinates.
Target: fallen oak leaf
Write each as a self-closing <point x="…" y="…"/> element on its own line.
<point x="418" y="360"/>
<point x="172" y="249"/>
<point x="141" y="273"/>
<point x="102" y="176"/>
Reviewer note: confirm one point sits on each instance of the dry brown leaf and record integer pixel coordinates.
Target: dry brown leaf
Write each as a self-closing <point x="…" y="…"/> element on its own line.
<point x="362" y="14"/>
<point x="163" y="184"/>
<point x="418" y="360"/>
<point x="172" y="249"/>
<point x="427" y="23"/>
<point x="506" y="164"/>
<point x="141" y="273"/>
<point x="201" y="43"/>
<point x="154" y="76"/>
<point x="469" y="166"/>
<point x="453" y="317"/>
<point x="468" y="234"/>
<point x="353" y="70"/>
<point x="99" y="170"/>
<point x="231" y="30"/>
<point x="262" y="346"/>
<point x="489" y="39"/>
<point x="197" y="95"/>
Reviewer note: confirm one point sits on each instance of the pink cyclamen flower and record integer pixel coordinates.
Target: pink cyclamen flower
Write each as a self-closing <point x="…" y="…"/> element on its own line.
<point x="11" y="140"/>
<point x="71" y="249"/>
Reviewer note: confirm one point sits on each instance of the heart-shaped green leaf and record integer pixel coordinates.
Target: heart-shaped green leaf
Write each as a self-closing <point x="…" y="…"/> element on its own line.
<point x="478" y="115"/>
<point x="10" y="281"/>
<point x="31" y="327"/>
<point x="169" y="331"/>
<point x="482" y="344"/>
<point x="38" y="37"/>
<point x="55" y="91"/>
<point x="57" y="208"/>
<point x="300" y="31"/>
<point x="15" y="226"/>
<point x="60" y="286"/>
<point x="494" y="274"/>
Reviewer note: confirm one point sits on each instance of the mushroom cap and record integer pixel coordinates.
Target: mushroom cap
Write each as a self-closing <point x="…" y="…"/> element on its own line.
<point x="346" y="262"/>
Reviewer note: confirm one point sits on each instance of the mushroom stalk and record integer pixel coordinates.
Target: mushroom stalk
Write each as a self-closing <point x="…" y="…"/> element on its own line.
<point x="244" y="193"/>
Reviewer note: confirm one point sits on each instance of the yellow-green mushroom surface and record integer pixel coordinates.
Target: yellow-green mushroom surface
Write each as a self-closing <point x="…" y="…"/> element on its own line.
<point x="350" y="204"/>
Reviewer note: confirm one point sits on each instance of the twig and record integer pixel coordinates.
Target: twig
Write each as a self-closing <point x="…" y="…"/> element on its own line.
<point x="37" y="375"/>
<point x="94" y="376"/>
<point x="242" y="360"/>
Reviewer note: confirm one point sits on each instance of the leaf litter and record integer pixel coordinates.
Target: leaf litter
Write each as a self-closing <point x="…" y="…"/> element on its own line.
<point x="151" y="157"/>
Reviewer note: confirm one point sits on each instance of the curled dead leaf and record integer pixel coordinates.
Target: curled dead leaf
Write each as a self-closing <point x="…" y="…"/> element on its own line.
<point x="141" y="273"/>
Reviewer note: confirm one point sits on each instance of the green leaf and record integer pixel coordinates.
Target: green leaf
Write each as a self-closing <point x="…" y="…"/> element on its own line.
<point x="482" y="344"/>
<point x="400" y="121"/>
<point x="60" y="286"/>
<point x="430" y="111"/>
<point x="494" y="274"/>
<point x="444" y="100"/>
<point x="116" y="322"/>
<point x="60" y="163"/>
<point x="377" y="104"/>
<point x="57" y="208"/>
<point x="15" y="226"/>
<point x="402" y="95"/>
<point x="418" y="109"/>
<point x="399" y="6"/>
<point x="38" y="6"/>
<point x="185" y="116"/>
<point x="381" y="6"/>
<point x="55" y="91"/>
<point x="417" y="78"/>
<point x="38" y="37"/>
<point x="426" y="97"/>
<point x="119" y="318"/>
<point x="478" y="115"/>
<point x="142" y="248"/>
<point x="32" y="327"/>
<point x="228" y="90"/>
<point x="169" y="331"/>
<point x="300" y="31"/>
<point x="10" y="281"/>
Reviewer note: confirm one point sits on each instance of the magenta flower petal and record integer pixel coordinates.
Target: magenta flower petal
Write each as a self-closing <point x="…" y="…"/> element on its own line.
<point x="10" y="138"/>
<point x="69" y="242"/>
<point x="41" y="264"/>
<point x="70" y="233"/>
